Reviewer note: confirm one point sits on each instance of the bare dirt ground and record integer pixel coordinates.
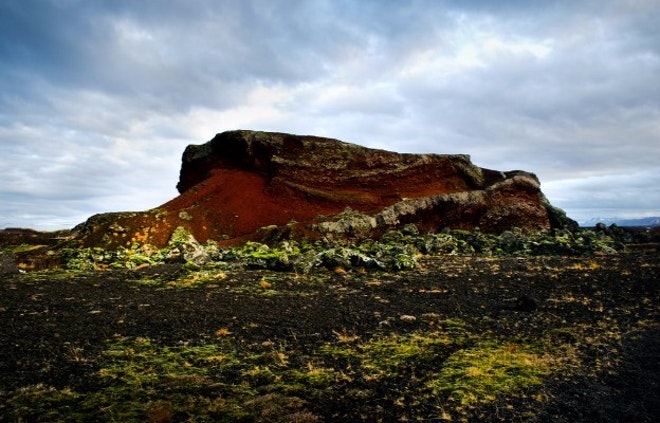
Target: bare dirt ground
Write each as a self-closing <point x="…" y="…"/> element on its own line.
<point x="337" y="346"/>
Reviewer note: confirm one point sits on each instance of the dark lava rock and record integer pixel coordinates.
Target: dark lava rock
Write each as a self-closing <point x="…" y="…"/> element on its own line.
<point x="526" y="303"/>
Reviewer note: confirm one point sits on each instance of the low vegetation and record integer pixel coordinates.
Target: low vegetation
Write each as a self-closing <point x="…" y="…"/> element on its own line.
<point x="221" y="380"/>
<point x="456" y="326"/>
<point x="396" y="250"/>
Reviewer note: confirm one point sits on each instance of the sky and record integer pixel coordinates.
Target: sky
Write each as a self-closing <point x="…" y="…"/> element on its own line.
<point x="98" y="99"/>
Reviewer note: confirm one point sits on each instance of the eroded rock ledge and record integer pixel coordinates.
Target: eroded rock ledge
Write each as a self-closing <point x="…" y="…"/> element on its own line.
<point x="249" y="185"/>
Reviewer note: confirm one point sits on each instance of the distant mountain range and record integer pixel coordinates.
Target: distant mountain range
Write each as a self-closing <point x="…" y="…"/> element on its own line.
<point x="645" y="221"/>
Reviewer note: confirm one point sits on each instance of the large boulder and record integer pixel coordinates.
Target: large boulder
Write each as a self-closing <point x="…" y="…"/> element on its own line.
<point x="247" y="185"/>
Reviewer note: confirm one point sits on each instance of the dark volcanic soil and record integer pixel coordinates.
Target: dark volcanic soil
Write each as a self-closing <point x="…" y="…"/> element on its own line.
<point x="605" y="310"/>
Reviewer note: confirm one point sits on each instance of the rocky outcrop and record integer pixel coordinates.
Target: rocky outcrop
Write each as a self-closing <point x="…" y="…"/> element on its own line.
<point x="7" y="263"/>
<point x="247" y="185"/>
<point x="26" y="249"/>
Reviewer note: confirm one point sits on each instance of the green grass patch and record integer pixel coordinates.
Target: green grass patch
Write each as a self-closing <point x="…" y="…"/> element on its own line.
<point x="188" y="280"/>
<point x="488" y="370"/>
<point x="396" y="355"/>
<point x="144" y="381"/>
<point x="225" y="380"/>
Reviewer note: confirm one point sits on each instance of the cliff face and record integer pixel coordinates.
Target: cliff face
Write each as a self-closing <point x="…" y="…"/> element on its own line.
<point x="250" y="185"/>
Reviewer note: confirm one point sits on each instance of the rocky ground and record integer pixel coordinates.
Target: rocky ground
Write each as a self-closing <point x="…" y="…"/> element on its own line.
<point x="543" y="339"/>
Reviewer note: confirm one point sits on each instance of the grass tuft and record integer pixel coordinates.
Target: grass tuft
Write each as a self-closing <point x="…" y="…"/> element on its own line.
<point x="488" y="370"/>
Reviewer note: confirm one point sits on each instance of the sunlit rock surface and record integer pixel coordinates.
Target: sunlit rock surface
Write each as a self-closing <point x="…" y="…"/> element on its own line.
<point x="250" y="185"/>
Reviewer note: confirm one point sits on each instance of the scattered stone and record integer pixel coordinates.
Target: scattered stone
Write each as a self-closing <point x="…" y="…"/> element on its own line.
<point x="185" y="248"/>
<point x="174" y="256"/>
<point x="116" y="228"/>
<point x="526" y="303"/>
<point x="340" y="270"/>
<point x="265" y="284"/>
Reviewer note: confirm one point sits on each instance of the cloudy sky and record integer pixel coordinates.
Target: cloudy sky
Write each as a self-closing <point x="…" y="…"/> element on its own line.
<point x="98" y="99"/>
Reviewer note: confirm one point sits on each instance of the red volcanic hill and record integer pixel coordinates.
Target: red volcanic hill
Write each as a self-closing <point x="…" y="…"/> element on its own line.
<point x="249" y="185"/>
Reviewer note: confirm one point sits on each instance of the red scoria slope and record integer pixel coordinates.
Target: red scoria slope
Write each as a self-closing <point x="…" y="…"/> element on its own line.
<point x="241" y="182"/>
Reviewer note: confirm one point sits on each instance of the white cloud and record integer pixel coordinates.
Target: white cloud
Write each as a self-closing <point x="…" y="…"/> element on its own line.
<point x="628" y="195"/>
<point x="99" y="101"/>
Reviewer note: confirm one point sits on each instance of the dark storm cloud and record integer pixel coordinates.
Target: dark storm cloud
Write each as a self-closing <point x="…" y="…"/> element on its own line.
<point x="99" y="98"/>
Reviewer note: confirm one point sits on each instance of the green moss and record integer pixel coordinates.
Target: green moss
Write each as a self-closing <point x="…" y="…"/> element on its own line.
<point x="395" y="250"/>
<point x="180" y="236"/>
<point x="385" y="357"/>
<point x="158" y="212"/>
<point x="257" y="255"/>
<point x="25" y="248"/>
<point x="139" y="259"/>
<point x="140" y="379"/>
<point x="46" y="403"/>
<point x="313" y="377"/>
<point x="189" y="279"/>
<point x="223" y="380"/>
<point x="184" y="215"/>
<point x="488" y="370"/>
